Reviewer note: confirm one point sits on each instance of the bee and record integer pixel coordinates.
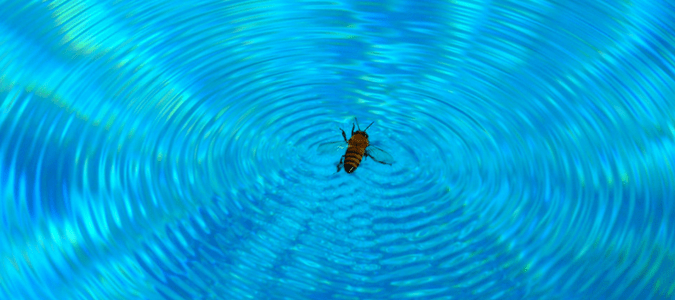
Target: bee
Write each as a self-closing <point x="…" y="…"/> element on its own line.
<point x="358" y="147"/>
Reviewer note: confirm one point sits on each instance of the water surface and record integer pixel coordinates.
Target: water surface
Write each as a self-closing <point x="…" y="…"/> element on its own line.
<point x="168" y="149"/>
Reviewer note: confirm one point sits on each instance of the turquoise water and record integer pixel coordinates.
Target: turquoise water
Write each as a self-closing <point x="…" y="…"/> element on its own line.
<point x="169" y="149"/>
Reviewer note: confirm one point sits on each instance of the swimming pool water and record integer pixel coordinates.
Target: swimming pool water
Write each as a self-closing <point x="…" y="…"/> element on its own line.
<point x="168" y="149"/>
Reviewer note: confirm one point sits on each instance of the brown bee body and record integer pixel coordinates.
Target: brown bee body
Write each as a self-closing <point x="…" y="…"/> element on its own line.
<point x="355" y="151"/>
<point x="358" y="148"/>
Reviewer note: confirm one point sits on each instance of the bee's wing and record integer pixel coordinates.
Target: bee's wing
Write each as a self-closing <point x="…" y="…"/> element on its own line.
<point x="379" y="155"/>
<point x="332" y="147"/>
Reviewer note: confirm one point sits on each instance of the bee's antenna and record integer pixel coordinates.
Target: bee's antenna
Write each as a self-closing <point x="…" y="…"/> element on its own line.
<point x="357" y="123"/>
<point x="369" y="126"/>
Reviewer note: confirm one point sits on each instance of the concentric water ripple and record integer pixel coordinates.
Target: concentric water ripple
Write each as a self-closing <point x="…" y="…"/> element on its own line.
<point x="168" y="149"/>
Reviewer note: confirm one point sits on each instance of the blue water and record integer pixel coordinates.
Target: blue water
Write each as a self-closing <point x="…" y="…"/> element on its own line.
<point x="169" y="149"/>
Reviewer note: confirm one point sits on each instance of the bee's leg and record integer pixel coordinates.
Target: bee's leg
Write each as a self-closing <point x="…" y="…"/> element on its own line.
<point x="344" y="135"/>
<point x="340" y="163"/>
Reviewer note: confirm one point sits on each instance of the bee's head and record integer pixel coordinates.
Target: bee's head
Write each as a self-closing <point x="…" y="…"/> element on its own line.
<point x="363" y="133"/>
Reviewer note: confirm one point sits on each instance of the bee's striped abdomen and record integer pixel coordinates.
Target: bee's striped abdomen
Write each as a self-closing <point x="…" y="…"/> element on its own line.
<point x="353" y="158"/>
